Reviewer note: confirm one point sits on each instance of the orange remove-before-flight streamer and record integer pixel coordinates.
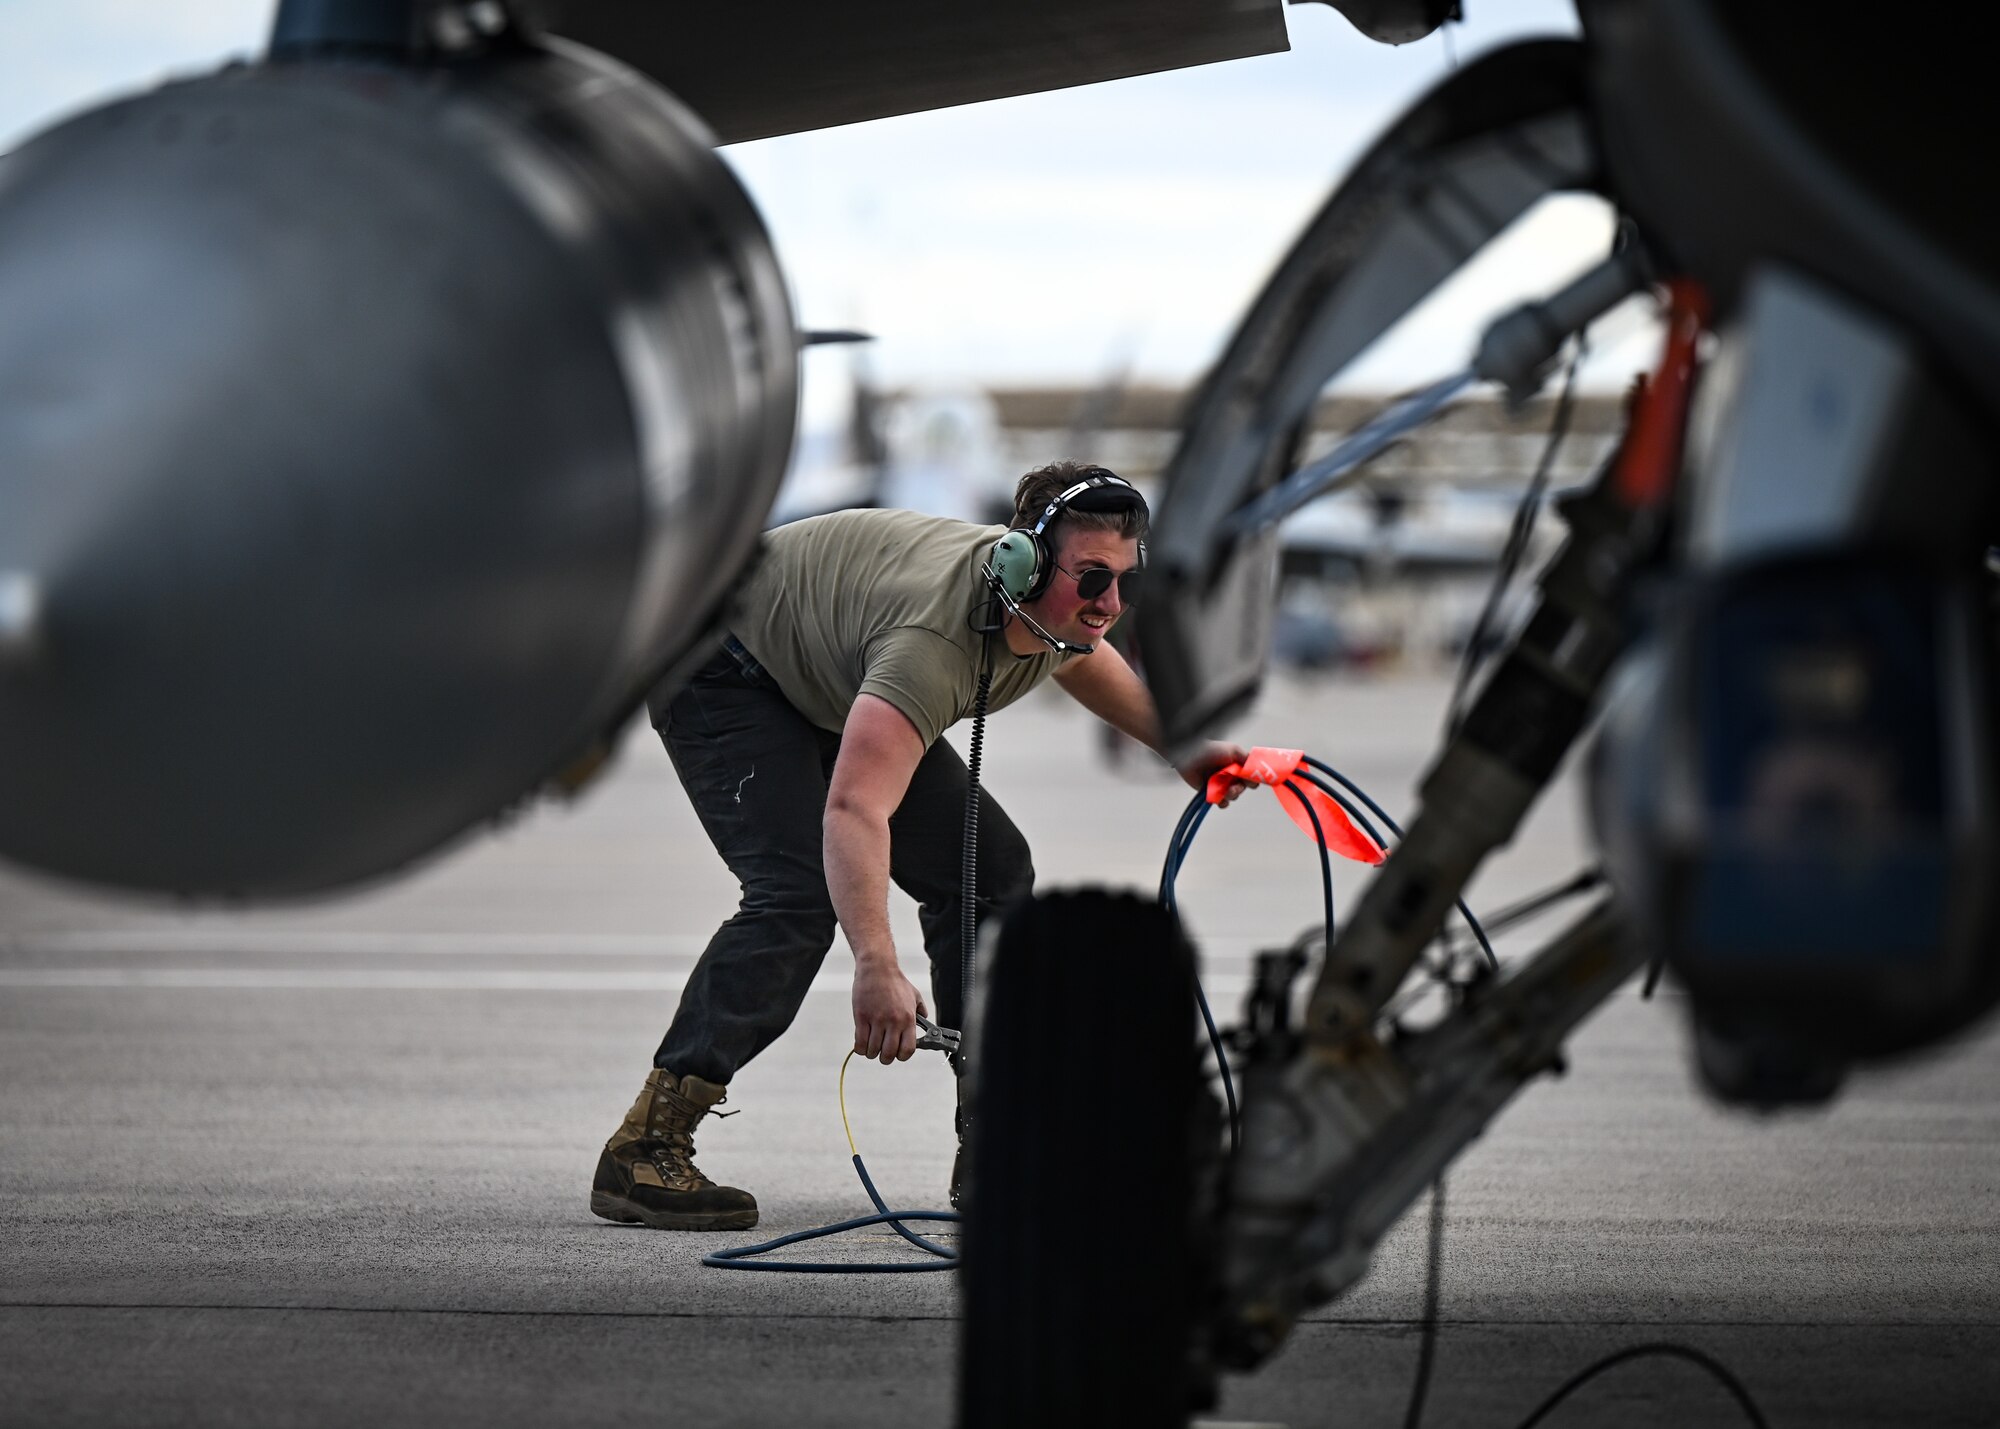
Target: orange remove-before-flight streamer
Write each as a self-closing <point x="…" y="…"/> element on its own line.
<point x="1273" y="767"/>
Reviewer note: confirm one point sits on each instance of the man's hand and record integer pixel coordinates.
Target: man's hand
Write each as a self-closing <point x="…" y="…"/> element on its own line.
<point x="1206" y="760"/>
<point x="886" y="1005"/>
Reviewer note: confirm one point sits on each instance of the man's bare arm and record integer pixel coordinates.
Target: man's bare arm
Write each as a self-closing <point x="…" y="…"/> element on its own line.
<point x="1107" y="686"/>
<point x="879" y="752"/>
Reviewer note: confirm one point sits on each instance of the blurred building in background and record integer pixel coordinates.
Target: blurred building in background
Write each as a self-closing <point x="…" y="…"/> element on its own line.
<point x="1389" y="571"/>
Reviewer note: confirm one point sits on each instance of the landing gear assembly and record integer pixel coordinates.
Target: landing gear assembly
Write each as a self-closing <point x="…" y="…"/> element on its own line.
<point x="1775" y="618"/>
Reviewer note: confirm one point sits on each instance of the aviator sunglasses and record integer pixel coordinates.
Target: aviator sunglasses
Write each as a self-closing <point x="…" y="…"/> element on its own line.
<point x="1092" y="583"/>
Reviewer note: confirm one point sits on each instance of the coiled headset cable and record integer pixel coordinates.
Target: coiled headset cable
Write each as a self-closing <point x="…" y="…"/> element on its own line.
<point x="968" y="866"/>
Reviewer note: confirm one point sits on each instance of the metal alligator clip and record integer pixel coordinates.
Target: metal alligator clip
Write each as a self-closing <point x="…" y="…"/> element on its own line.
<point x="936" y="1038"/>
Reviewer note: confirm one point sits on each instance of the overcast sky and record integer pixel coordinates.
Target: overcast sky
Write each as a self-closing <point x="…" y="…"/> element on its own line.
<point x="1054" y="237"/>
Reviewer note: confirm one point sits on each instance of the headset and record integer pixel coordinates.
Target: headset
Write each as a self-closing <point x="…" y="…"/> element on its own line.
<point x="1021" y="564"/>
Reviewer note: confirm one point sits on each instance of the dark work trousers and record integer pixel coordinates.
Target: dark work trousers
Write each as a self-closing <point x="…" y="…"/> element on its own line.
<point x="756" y="770"/>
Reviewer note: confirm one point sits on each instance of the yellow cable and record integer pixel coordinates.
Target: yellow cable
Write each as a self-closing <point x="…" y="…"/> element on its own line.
<point x="844" y="1124"/>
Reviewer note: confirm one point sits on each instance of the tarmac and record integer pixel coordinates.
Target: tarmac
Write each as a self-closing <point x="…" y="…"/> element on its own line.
<point x="330" y="1164"/>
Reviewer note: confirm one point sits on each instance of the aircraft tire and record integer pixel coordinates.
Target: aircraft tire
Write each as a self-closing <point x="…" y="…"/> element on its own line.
<point x="1088" y="1146"/>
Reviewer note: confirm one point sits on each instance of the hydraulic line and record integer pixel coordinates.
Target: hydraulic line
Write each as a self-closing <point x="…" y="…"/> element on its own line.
<point x="1337" y="786"/>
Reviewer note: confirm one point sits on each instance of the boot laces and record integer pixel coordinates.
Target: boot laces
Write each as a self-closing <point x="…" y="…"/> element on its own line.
<point x="670" y="1129"/>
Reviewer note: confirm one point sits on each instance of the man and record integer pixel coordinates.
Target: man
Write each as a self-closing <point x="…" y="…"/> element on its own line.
<point x="810" y="748"/>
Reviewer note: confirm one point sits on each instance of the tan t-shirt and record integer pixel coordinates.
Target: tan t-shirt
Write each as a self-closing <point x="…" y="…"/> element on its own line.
<point x="879" y="603"/>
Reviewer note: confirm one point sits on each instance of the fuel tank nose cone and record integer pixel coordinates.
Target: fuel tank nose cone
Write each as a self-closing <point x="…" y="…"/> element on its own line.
<point x="20" y="618"/>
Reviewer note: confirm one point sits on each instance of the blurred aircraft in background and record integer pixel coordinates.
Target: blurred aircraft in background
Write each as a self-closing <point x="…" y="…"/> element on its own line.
<point x="1381" y="574"/>
<point x="936" y="450"/>
<point x="1373" y="533"/>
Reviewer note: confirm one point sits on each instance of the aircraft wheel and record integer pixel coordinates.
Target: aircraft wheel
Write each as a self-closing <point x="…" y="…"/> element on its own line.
<point x="1092" y="1138"/>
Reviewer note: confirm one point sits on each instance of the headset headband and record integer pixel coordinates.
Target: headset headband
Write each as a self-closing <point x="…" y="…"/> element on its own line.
<point x="1126" y="497"/>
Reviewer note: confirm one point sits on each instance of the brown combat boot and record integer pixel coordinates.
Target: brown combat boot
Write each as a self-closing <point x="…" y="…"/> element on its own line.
<point x="647" y="1174"/>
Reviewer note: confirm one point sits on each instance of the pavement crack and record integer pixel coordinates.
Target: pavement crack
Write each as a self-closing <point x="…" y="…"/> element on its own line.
<point x="876" y="1317"/>
<point x="868" y="1317"/>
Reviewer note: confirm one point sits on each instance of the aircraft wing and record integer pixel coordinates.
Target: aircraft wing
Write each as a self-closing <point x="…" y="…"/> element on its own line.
<point x="753" y="71"/>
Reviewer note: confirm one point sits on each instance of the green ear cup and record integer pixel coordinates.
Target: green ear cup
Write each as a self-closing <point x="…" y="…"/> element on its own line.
<point x="1017" y="564"/>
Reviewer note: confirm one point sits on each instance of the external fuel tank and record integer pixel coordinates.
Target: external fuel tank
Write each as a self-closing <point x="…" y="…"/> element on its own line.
<point x="373" y="433"/>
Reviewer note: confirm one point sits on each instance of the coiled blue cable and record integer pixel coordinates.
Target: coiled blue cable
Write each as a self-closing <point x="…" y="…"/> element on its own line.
<point x="743" y="1257"/>
<point x="1341" y="790"/>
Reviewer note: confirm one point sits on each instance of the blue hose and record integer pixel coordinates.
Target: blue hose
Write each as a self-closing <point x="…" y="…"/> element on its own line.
<point x="945" y="1258"/>
<point x="1191" y="820"/>
<point x="1339" y="790"/>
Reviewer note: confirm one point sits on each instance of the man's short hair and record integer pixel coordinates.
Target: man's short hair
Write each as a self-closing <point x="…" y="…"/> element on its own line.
<point x="1045" y="483"/>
